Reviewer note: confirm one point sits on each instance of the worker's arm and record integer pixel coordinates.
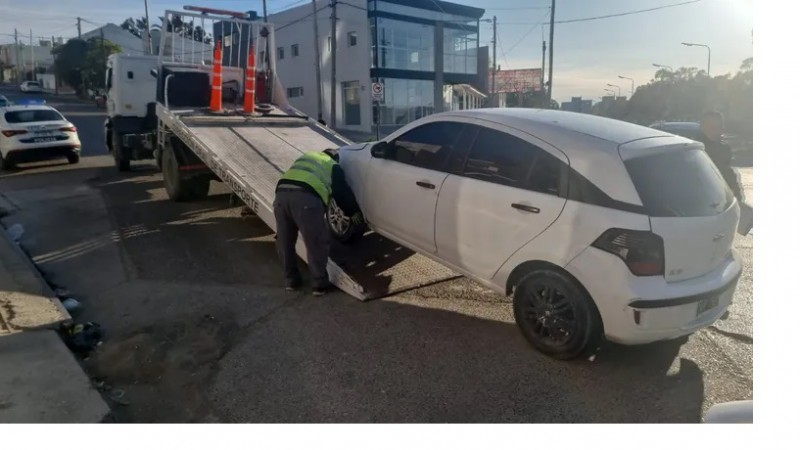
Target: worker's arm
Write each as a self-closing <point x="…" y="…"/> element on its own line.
<point x="342" y="193"/>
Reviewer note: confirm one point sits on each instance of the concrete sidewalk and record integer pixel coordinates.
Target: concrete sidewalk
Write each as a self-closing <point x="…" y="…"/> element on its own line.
<point x="40" y="380"/>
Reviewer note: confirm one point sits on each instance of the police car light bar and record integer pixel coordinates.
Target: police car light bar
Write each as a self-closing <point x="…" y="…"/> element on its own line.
<point x="30" y="101"/>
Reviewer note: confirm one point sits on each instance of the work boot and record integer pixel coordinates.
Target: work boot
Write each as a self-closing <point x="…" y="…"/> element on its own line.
<point x="319" y="291"/>
<point x="293" y="285"/>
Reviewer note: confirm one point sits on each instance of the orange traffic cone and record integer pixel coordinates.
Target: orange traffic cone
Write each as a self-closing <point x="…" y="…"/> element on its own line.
<point x="250" y="83"/>
<point x="216" y="82"/>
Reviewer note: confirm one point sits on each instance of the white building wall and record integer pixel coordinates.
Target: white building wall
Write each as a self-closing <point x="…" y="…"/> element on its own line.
<point x="352" y="62"/>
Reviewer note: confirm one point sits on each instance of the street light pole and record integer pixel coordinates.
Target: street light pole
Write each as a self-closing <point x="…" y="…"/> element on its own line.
<point x="619" y="90"/>
<point x="632" y="85"/>
<point x="663" y="66"/>
<point x="708" y="64"/>
<point x="611" y="91"/>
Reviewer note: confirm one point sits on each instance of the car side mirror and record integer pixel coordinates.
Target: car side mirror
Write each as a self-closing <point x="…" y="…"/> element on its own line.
<point x="380" y="149"/>
<point x="154" y="73"/>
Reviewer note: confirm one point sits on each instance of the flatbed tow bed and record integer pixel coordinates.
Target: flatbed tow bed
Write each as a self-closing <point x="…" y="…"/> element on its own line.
<point x="250" y="154"/>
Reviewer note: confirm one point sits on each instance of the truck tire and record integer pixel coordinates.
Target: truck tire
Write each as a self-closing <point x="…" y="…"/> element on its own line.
<point x="120" y="157"/>
<point x="180" y="189"/>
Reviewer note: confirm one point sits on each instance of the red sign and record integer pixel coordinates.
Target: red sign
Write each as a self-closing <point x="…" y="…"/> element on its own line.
<point x="519" y="80"/>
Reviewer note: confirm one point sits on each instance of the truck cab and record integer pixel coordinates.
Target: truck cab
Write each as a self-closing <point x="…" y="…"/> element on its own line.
<point x="130" y="105"/>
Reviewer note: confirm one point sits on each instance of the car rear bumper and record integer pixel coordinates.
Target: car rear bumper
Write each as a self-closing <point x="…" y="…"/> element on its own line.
<point x="640" y="310"/>
<point x="42" y="153"/>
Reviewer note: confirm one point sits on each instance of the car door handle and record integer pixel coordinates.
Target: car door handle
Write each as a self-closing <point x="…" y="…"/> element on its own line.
<point x="528" y="208"/>
<point x="426" y="185"/>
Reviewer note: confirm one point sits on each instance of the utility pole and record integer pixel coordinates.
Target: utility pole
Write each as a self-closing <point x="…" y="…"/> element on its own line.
<point x="494" y="62"/>
<point x="541" y="79"/>
<point x="317" y="62"/>
<point x="333" y="64"/>
<point x="550" y="69"/>
<point x="80" y="35"/>
<point x="148" y="36"/>
<point x="16" y="53"/>
<point x="264" y="2"/>
<point x="33" y="59"/>
<point x="55" y="76"/>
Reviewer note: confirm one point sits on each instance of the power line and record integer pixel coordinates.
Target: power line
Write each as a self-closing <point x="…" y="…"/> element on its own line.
<point x="502" y="52"/>
<point x="533" y="27"/>
<point x="302" y="18"/>
<point x="627" y="13"/>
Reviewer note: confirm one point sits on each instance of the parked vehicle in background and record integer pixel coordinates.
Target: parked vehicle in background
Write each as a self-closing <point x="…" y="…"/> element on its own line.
<point x="130" y="97"/>
<point x="4" y="101"/>
<point x="742" y="151"/>
<point x="30" y="86"/>
<point x="36" y="132"/>
<point x="596" y="226"/>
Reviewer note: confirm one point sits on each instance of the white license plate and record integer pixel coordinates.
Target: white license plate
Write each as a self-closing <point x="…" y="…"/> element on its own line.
<point x="45" y="139"/>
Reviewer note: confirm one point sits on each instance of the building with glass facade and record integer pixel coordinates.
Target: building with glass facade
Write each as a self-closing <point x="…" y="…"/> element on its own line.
<point x="424" y="52"/>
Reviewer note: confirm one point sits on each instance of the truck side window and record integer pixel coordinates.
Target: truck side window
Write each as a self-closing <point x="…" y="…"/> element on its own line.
<point x="109" y="76"/>
<point x="130" y="75"/>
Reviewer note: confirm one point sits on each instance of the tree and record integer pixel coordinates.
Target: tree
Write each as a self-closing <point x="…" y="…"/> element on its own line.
<point x="137" y="27"/>
<point x="187" y="29"/>
<point x="68" y="64"/>
<point x="82" y="64"/>
<point x="94" y="66"/>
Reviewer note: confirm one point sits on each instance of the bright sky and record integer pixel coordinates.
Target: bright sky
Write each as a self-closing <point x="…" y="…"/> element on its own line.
<point x="587" y="55"/>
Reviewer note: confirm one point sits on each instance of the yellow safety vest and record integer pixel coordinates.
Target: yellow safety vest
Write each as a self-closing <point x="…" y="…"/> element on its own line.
<point x="314" y="169"/>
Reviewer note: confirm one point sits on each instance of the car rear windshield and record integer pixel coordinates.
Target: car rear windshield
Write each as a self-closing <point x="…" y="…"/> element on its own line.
<point x="33" y="115"/>
<point x="682" y="183"/>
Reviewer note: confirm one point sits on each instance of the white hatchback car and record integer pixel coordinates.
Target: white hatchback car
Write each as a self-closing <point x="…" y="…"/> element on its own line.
<point x="30" y="86"/>
<point x="35" y="133"/>
<point x="597" y="227"/>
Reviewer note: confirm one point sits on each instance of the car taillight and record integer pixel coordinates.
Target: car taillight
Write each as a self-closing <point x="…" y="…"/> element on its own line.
<point x="642" y="251"/>
<point x="72" y="129"/>
<point x="9" y="133"/>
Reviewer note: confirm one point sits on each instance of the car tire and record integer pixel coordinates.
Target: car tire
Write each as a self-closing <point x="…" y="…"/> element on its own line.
<point x="6" y="165"/>
<point x="342" y="228"/>
<point x="73" y="158"/>
<point x="556" y="314"/>
<point x="122" y="162"/>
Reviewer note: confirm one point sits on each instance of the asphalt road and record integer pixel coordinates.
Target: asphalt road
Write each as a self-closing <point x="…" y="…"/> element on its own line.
<point x="200" y="328"/>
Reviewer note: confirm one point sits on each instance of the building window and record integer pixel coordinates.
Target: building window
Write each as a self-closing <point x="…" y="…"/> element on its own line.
<point x="405" y="45"/>
<point x="295" y="50"/>
<point x="294" y="92"/>
<point x="405" y="100"/>
<point x="352" y="39"/>
<point x="280" y="52"/>
<point x="460" y="50"/>
<point x="330" y="44"/>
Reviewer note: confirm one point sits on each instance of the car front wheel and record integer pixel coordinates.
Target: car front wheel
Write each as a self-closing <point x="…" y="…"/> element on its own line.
<point x="342" y="228"/>
<point x="556" y="315"/>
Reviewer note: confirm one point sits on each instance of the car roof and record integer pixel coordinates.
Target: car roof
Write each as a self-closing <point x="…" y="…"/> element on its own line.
<point x="557" y="127"/>
<point x="28" y="108"/>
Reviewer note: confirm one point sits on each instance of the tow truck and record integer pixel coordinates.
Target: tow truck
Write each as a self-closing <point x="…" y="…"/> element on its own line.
<point x="193" y="144"/>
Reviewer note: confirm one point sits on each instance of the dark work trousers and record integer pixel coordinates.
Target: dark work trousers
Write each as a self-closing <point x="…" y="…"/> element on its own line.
<point x="299" y="210"/>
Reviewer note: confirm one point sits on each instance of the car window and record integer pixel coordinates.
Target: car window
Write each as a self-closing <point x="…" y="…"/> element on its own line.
<point x="32" y="115"/>
<point x="427" y="146"/>
<point x="546" y="174"/>
<point x="679" y="184"/>
<point x="500" y="158"/>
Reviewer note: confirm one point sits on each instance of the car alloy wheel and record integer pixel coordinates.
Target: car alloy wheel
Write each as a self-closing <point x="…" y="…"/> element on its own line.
<point x="339" y="222"/>
<point x="549" y="313"/>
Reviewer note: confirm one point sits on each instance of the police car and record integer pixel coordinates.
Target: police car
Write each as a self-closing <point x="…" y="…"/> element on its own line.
<point x="32" y="131"/>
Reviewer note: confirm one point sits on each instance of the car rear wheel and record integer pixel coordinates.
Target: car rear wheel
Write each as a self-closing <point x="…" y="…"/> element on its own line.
<point x="73" y="158"/>
<point x="342" y="228"/>
<point x="556" y="314"/>
<point x="5" y="164"/>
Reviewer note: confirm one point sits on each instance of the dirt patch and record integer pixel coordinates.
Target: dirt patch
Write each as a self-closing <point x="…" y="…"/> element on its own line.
<point x="160" y="373"/>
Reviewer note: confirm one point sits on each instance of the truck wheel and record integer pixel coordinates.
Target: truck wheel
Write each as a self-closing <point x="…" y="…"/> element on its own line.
<point x="556" y="314"/>
<point x="122" y="162"/>
<point x="178" y="188"/>
<point x="342" y="228"/>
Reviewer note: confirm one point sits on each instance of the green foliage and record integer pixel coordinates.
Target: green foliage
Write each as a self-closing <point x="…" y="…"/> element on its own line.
<point x="82" y="64"/>
<point x="684" y="94"/>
